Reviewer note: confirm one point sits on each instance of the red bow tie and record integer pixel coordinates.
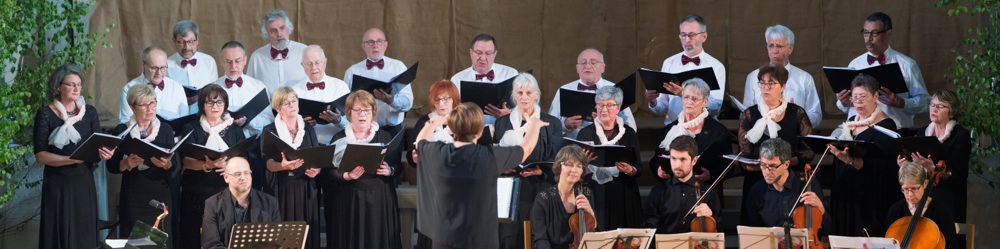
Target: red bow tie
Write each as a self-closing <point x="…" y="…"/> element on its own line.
<point x="685" y="59"/>
<point x="585" y="87"/>
<point x="192" y="62"/>
<point x="488" y="75"/>
<point x="880" y="59"/>
<point x="321" y="85"/>
<point x="369" y="64"/>
<point x="275" y="52"/>
<point x="238" y="82"/>
<point x="160" y="85"/>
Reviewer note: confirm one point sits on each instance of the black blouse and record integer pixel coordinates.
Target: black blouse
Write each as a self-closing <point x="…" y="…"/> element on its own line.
<point x="795" y="123"/>
<point x="154" y="176"/>
<point x="309" y="140"/>
<point x="713" y="143"/>
<point x="46" y="121"/>
<point x="212" y="180"/>
<point x="550" y="221"/>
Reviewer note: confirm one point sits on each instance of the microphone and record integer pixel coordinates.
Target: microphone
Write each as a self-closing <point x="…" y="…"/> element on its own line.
<point x="156" y="204"/>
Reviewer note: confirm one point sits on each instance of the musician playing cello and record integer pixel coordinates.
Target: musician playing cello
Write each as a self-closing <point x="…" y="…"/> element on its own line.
<point x="771" y="199"/>
<point x="913" y="179"/>
<point x="669" y="202"/>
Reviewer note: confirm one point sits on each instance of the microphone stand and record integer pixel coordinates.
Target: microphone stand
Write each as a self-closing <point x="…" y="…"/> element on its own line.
<point x="160" y="217"/>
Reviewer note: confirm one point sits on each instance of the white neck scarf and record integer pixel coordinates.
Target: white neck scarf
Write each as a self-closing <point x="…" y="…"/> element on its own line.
<point x="349" y="133"/>
<point x="604" y="138"/>
<point x="66" y="133"/>
<point x="682" y="127"/>
<point x="215" y="141"/>
<point x="847" y="128"/>
<point x="947" y="130"/>
<point x="514" y="136"/>
<point x="441" y="133"/>
<point x="766" y="123"/>
<point x="136" y="133"/>
<point x="285" y="135"/>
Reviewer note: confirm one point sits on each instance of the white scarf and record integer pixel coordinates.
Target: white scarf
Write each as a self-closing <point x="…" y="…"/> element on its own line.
<point x="215" y="141"/>
<point x="349" y="133"/>
<point x="66" y="133"/>
<point x="136" y="133"/>
<point x="285" y="135"/>
<point x="514" y="136"/>
<point x="766" y="123"/>
<point x="847" y="127"/>
<point x="682" y="127"/>
<point x="604" y="138"/>
<point x="947" y="130"/>
<point x="441" y="133"/>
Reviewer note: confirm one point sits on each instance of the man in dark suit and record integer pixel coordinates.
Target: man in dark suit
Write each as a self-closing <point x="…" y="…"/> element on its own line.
<point x="237" y="204"/>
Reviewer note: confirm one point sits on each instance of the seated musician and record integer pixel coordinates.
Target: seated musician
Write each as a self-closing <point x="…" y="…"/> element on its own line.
<point x="771" y="199"/>
<point x="669" y="202"/>
<point x="554" y="206"/>
<point x="913" y="179"/>
<point x="236" y="204"/>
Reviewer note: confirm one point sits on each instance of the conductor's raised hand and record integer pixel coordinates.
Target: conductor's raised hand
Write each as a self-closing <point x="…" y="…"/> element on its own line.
<point x="535" y="123"/>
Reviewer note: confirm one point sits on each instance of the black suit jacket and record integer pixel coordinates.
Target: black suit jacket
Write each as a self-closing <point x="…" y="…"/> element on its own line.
<point x="219" y="217"/>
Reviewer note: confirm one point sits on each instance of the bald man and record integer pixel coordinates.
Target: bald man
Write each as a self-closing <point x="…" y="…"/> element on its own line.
<point x="237" y="204"/>
<point x="321" y="87"/>
<point x="391" y="106"/>
<point x="590" y="67"/>
<point x="170" y="99"/>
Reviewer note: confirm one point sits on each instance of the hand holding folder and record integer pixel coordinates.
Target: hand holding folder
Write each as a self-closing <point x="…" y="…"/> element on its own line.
<point x="653" y="80"/>
<point x="390" y="86"/>
<point x="313" y="108"/>
<point x="369" y="156"/>
<point x="88" y="149"/>
<point x="313" y="157"/>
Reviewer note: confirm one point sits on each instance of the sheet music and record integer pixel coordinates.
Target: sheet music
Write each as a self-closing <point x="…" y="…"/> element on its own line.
<point x="737" y="103"/>
<point x="505" y="190"/>
<point x="770" y="237"/>
<point x="742" y="159"/>
<point x="688" y="240"/>
<point x="863" y="242"/>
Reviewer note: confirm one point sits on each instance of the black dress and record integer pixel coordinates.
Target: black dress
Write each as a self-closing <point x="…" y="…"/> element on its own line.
<point x="713" y="143"/>
<point x="298" y="195"/>
<point x="618" y="202"/>
<point x="795" y="123"/>
<point x="859" y="199"/>
<point x="69" y="195"/>
<point x="937" y="211"/>
<point x="362" y="213"/>
<point x="457" y="191"/>
<point x="954" y="188"/>
<point x="140" y="186"/>
<point x="549" y="142"/>
<point x="550" y="221"/>
<point x="197" y="185"/>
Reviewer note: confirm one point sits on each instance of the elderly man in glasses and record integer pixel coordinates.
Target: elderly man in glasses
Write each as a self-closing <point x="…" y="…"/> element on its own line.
<point x="693" y="34"/>
<point x="188" y="66"/>
<point x="237" y="204"/>
<point x="391" y="105"/>
<point x="483" y="53"/>
<point x="171" y="102"/>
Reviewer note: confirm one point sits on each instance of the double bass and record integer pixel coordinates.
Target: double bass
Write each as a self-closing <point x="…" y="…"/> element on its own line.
<point x="917" y="231"/>
<point x="581" y="222"/>
<point x="707" y="224"/>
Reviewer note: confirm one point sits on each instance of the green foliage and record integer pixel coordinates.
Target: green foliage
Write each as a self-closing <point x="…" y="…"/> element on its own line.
<point x="36" y="39"/>
<point x="977" y="74"/>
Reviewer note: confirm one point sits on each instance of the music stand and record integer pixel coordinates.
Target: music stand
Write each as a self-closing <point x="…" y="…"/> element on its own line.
<point x="690" y="240"/>
<point x="770" y="237"/>
<point x="863" y="242"/>
<point x="143" y="236"/>
<point x="287" y="235"/>
<point x="612" y="239"/>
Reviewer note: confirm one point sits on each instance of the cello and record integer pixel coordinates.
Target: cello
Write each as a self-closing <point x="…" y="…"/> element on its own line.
<point x="707" y="224"/>
<point x="581" y="222"/>
<point x="917" y="231"/>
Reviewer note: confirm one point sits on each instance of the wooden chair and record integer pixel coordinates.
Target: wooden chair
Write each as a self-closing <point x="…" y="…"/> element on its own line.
<point x="527" y="234"/>
<point x="969" y="230"/>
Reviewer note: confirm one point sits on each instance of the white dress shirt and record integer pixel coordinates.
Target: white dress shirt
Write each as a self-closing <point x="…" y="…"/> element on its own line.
<point x="334" y="88"/>
<point x="389" y="114"/>
<point x="915" y="101"/>
<point x="671" y="105"/>
<point x="500" y="74"/>
<point x="170" y="102"/>
<point x="277" y="73"/>
<point x="554" y="108"/>
<point x="240" y="95"/>
<point x="800" y="90"/>
<point x="196" y="76"/>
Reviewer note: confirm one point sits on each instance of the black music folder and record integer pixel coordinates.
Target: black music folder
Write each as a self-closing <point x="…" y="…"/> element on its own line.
<point x="628" y="89"/>
<point x="393" y="85"/>
<point x="369" y="155"/>
<point x="251" y="109"/>
<point x="573" y="102"/>
<point x="859" y="148"/>
<point x="534" y="165"/>
<point x="177" y="124"/>
<point x="925" y="145"/>
<point x="313" y="157"/>
<point x="191" y="91"/>
<point x="199" y="152"/>
<point x="606" y="155"/>
<point x="147" y="150"/>
<point x="87" y="151"/>
<point x="483" y="93"/>
<point x="312" y="108"/>
<point x="889" y="76"/>
<point x="653" y="80"/>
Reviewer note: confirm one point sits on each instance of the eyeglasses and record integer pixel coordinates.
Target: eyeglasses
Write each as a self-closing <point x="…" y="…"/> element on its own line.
<point x="147" y="106"/>
<point x="311" y="64"/>
<point x="215" y="103"/>
<point x="770" y="167"/>
<point x="940" y="106"/>
<point x="186" y="43"/>
<point x="873" y="33"/>
<point x="74" y="85"/>
<point x="373" y="42"/>
<point x="911" y="190"/>
<point x="767" y="85"/>
<point x="571" y="165"/>
<point x="236" y="61"/>
<point x="606" y="107"/>
<point x="290" y="103"/>
<point x="362" y="111"/>
<point x="591" y="63"/>
<point x="438" y="100"/>
<point x="859" y="98"/>
<point x="156" y="69"/>
<point x="776" y="46"/>
<point x="690" y="98"/>
<point x="689" y="35"/>
<point x="240" y="174"/>
<point x="481" y="53"/>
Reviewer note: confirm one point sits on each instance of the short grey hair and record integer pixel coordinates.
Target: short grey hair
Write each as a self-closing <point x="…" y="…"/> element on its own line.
<point x="272" y="16"/>
<point x="149" y="50"/>
<point x="595" y="50"/>
<point x="526" y="80"/>
<point x="183" y="27"/>
<point x="322" y="54"/>
<point x="776" y="147"/>
<point x="700" y="86"/>
<point x="610" y="92"/>
<point x="912" y="172"/>
<point x="779" y="31"/>
<point x="57" y="77"/>
<point x="695" y="18"/>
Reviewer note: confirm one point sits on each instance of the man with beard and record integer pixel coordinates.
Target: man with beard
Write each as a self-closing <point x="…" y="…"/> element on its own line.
<point x="188" y="66"/>
<point x="277" y="63"/>
<point x="237" y="204"/>
<point x="669" y="202"/>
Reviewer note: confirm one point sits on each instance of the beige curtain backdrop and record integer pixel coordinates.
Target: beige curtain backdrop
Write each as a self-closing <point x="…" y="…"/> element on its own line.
<point x="543" y="35"/>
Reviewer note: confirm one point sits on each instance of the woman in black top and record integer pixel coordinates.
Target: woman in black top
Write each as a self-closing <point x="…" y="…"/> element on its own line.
<point x="772" y="116"/>
<point x="143" y="179"/>
<point x="293" y="184"/>
<point x="202" y="177"/>
<point x="458" y="207"/>
<point x="509" y="130"/>
<point x="616" y="197"/>
<point x="553" y="207"/>
<point x="710" y="135"/>
<point x="69" y="196"/>
<point x="913" y="182"/>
